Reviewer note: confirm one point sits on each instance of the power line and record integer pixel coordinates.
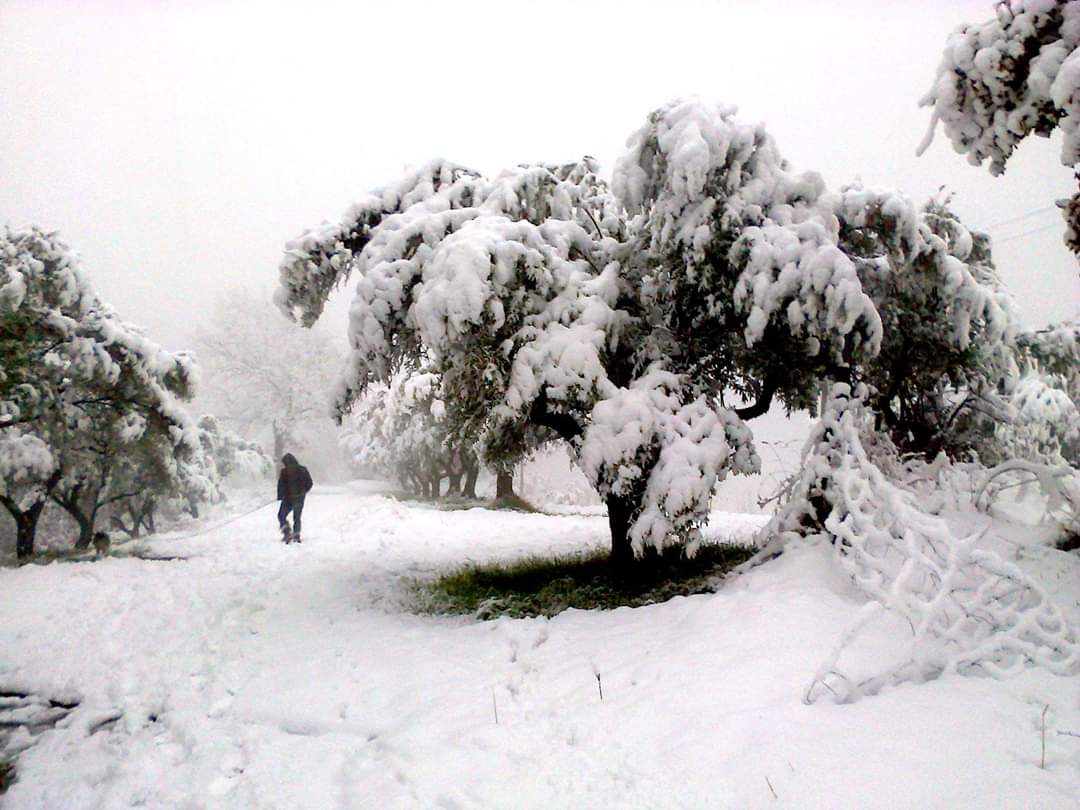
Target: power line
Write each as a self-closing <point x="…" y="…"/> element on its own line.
<point x="1021" y="217"/>
<point x="1029" y="233"/>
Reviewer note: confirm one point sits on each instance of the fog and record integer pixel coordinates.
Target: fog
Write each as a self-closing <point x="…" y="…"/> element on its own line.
<point x="178" y="145"/>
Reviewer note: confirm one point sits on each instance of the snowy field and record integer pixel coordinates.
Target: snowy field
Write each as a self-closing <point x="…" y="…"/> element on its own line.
<point x="257" y="675"/>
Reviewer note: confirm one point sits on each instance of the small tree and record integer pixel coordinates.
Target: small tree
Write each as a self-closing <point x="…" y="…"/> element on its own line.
<point x="642" y="324"/>
<point x="231" y="454"/>
<point x="1010" y="77"/>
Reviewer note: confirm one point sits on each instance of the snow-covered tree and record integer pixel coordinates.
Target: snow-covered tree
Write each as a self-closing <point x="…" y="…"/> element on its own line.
<point x="947" y="351"/>
<point x="1010" y="77"/>
<point x="642" y="323"/>
<point x="104" y="463"/>
<point x="261" y="377"/>
<point x="402" y="431"/>
<point x="28" y="474"/>
<point x="184" y="485"/>
<point x="1038" y="447"/>
<point x="79" y="388"/>
<point x="231" y="454"/>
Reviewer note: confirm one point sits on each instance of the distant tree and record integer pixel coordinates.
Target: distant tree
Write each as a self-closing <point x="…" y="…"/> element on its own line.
<point x="403" y="431"/>
<point x="261" y="376"/>
<point x="642" y="324"/>
<point x="106" y="463"/>
<point x="188" y="484"/>
<point x="232" y="455"/>
<point x="80" y="390"/>
<point x="146" y="486"/>
<point x="1013" y="76"/>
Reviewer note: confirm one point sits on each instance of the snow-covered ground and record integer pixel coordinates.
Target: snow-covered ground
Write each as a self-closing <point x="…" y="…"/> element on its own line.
<point x="257" y="675"/>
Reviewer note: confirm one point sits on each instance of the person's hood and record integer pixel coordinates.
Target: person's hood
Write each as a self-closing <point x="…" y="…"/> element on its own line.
<point x="289" y="460"/>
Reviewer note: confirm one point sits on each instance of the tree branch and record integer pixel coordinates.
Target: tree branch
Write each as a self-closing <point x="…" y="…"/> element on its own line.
<point x="588" y="213"/>
<point x="563" y="424"/>
<point x="764" y="400"/>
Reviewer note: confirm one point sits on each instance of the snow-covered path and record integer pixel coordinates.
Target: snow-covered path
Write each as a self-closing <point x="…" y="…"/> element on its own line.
<point x="257" y="675"/>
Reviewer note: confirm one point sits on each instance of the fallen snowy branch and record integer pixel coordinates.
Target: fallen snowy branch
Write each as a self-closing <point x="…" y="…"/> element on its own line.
<point x="970" y="612"/>
<point x="1059" y="484"/>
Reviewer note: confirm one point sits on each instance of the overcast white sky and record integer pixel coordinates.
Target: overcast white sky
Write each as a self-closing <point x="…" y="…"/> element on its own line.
<point x="178" y="145"/>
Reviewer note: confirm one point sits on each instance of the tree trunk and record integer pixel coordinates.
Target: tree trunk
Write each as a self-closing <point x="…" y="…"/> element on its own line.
<point x="504" y="484"/>
<point x="117" y="522"/>
<point x="136" y="519"/>
<point x="26" y="520"/>
<point x="25" y="529"/>
<point x="453" y="486"/>
<point x="86" y="530"/>
<point x="148" y="515"/>
<point x="141" y="514"/>
<point x="619" y="514"/>
<point x="25" y="526"/>
<point x="472" y="471"/>
<point x="84" y="517"/>
<point x="279" y="442"/>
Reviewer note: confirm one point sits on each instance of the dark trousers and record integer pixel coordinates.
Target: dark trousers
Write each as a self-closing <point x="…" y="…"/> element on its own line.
<point x="296" y="506"/>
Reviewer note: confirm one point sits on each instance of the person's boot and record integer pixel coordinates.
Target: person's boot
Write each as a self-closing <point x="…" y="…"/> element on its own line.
<point x="295" y="537"/>
<point x="286" y="532"/>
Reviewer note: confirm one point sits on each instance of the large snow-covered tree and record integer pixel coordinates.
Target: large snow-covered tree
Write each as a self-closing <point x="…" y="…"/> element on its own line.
<point x="643" y="323"/>
<point x="262" y="377"/>
<point x="79" y="388"/>
<point x="1010" y="77"/>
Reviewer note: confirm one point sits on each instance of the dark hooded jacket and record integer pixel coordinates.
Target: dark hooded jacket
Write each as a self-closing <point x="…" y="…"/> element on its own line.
<point x="294" y="481"/>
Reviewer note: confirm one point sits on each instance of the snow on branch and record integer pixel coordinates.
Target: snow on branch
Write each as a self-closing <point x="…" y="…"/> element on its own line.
<point x="645" y="440"/>
<point x="1003" y="80"/>
<point x="321" y="258"/>
<point x="1059" y="484"/>
<point x="1007" y="78"/>
<point x="970" y="612"/>
<point x="25" y="463"/>
<point x="715" y="195"/>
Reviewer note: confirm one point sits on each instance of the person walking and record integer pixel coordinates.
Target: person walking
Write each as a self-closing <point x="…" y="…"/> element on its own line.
<point x="294" y="482"/>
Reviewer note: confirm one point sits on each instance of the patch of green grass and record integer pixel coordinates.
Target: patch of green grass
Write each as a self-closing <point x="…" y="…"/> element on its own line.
<point x="455" y="503"/>
<point x="514" y="503"/>
<point x="545" y="586"/>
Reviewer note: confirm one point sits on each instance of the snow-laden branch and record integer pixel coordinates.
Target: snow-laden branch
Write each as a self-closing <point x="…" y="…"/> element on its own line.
<point x="1002" y="80"/>
<point x="1010" y="77"/>
<point x="969" y="611"/>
